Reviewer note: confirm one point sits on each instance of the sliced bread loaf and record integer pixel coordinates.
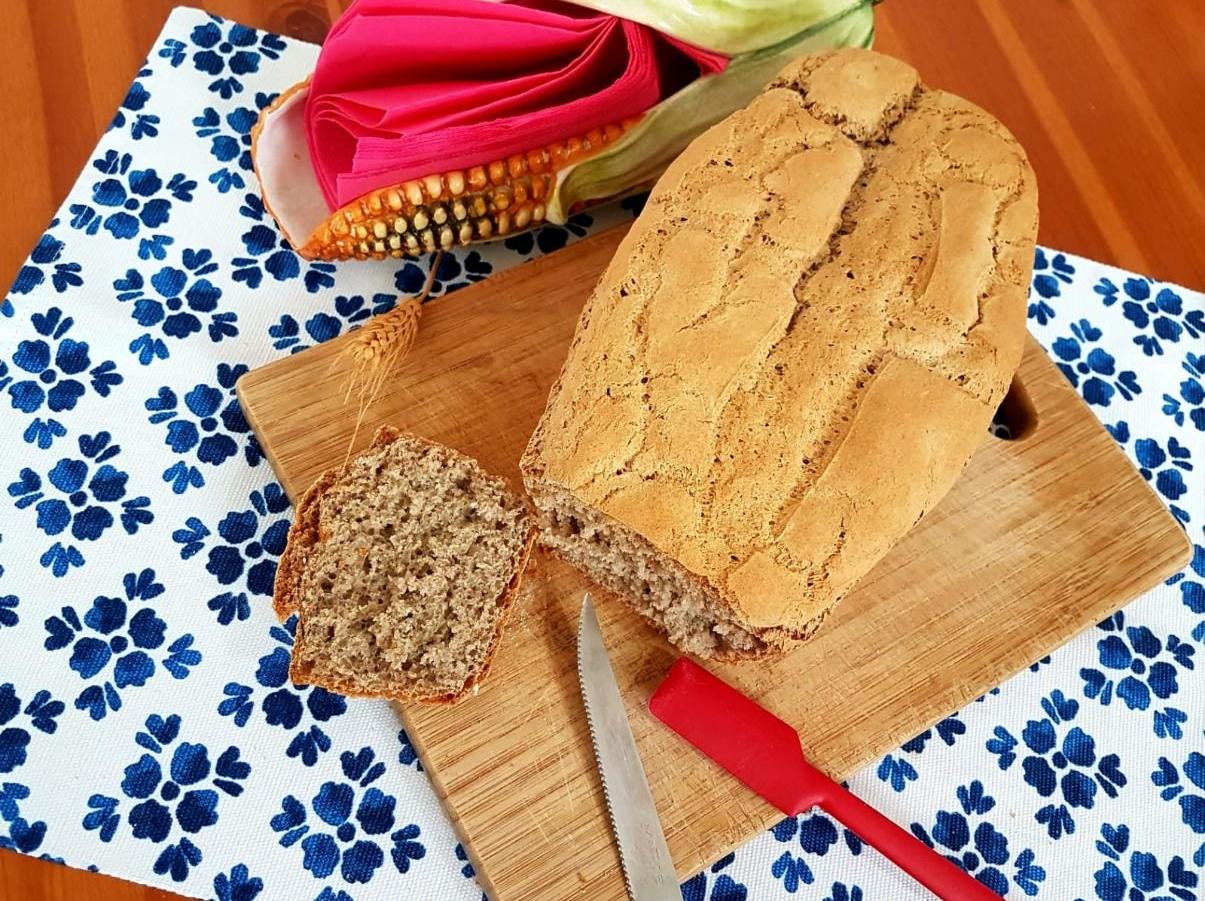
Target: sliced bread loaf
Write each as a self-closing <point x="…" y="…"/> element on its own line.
<point x="402" y="566"/>
<point x="795" y="351"/>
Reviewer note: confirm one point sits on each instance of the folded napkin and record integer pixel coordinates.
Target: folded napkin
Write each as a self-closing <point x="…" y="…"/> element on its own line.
<point x="403" y="88"/>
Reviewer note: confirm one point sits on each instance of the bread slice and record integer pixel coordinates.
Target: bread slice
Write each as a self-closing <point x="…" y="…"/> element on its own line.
<point x="402" y="566"/>
<point x="794" y="353"/>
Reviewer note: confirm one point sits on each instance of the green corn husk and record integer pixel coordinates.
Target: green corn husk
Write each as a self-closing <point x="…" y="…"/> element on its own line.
<point x="732" y="27"/>
<point x="646" y="149"/>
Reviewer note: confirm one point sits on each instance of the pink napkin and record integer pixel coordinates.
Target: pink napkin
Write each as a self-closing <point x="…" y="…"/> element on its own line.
<point x="405" y="88"/>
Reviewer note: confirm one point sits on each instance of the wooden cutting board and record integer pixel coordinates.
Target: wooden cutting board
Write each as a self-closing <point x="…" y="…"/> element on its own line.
<point x="1040" y="538"/>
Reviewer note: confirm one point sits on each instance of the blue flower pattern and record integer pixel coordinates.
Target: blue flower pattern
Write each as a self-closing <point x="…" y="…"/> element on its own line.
<point x="1059" y="761"/>
<point x="948" y="730"/>
<point x="176" y="302"/>
<point x="1050" y="273"/>
<point x="229" y="136"/>
<point x="207" y="424"/>
<point x="466" y="870"/>
<point x="270" y="254"/>
<point x="1163" y="465"/>
<point x="349" y="824"/>
<point x="1132" y="875"/>
<point x="238" y="885"/>
<point x="723" y="887"/>
<point x="550" y="238"/>
<point x="53" y="371"/>
<point x="1096" y="367"/>
<point x="39" y="713"/>
<point x="896" y="772"/>
<point x="1190" y="404"/>
<point x="49" y="258"/>
<point x="408" y="754"/>
<point x="135" y="277"/>
<point x="132" y="112"/>
<point x="22" y="835"/>
<point x="1150" y="665"/>
<point x="349" y="312"/>
<point x="227" y="51"/>
<point x="130" y="202"/>
<point x="244" y="554"/>
<point x="330" y="894"/>
<point x="452" y="274"/>
<point x="816" y="834"/>
<point x="284" y="704"/>
<point x="176" y="785"/>
<point x="9" y="603"/>
<point x="1184" y="786"/>
<point x="974" y="844"/>
<point x="1159" y="313"/>
<point x="83" y="496"/>
<point x="113" y="645"/>
<point x="1191" y="583"/>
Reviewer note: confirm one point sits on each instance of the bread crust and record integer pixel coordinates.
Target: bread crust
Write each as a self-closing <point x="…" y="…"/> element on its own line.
<point x="802" y="340"/>
<point x="305" y="533"/>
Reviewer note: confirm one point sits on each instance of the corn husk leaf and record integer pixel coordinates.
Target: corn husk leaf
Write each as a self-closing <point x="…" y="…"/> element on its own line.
<point x="646" y="149"/>
<point x="729" y="26"/>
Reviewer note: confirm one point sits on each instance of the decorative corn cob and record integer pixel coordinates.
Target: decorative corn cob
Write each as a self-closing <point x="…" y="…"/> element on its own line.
<point x="440" y="211"/>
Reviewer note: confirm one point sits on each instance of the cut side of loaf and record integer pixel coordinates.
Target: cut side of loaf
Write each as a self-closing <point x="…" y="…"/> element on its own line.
<point x="627" y="564"/>
<point x="793" y="355"/>
<point x="402" y="567"/>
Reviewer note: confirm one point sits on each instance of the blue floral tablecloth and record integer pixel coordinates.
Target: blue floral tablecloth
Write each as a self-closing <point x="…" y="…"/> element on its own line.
<point x="148" y="728"/>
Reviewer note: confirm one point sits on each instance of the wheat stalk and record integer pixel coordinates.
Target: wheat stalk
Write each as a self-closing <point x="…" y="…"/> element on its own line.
<point x="371" y="356"/>
<point x="378" y="347"/>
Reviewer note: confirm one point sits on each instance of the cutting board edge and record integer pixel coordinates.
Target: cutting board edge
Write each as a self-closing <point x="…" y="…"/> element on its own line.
<point x="445" y="801"/>
<point x="1161" y="573"/>
<point x="247" y="404"/>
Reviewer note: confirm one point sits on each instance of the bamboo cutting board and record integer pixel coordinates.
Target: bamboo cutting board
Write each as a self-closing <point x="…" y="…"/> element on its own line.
<point x="1041" y="537"/>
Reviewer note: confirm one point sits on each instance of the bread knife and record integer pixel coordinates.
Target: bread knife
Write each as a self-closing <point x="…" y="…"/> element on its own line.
<point x="648" y="870"/>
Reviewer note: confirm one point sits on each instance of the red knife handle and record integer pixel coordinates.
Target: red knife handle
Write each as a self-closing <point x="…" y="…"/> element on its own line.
<point x="899" y="846"/>
<point x="764" y="752"/>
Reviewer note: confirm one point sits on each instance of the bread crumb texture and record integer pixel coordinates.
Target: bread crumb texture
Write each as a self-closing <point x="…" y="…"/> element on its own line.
<point x="402" y="566"/>
<point x="797" y="347"/>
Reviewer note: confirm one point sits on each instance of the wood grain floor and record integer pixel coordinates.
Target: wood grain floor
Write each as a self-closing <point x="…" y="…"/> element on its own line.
<point x="1104" y="94"/>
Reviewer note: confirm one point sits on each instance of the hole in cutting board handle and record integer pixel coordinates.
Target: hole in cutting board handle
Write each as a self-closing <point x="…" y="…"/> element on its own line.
<point x="1016" y="417"/>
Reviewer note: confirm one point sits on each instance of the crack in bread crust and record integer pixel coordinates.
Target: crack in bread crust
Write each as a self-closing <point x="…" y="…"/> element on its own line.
<point x="801" y="340"/>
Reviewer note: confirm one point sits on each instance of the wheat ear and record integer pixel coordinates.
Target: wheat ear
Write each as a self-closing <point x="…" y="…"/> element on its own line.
<point x="375" y="350"/>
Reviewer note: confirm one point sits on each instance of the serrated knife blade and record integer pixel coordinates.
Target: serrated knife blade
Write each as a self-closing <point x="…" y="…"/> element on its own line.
<point x="648" y="869"/>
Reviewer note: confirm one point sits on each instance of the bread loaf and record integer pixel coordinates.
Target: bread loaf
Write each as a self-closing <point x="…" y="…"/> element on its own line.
<point x="402" y="566"/>
<point x="793" y="354"/>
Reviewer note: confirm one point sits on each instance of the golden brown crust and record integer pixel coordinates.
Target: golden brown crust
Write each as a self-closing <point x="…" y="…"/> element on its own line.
<point x="803" y="338"/>
<point x="305" y="533"/>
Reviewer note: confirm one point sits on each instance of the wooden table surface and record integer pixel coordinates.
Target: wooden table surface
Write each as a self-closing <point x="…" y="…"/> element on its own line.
<point x="1104" y="94"/>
